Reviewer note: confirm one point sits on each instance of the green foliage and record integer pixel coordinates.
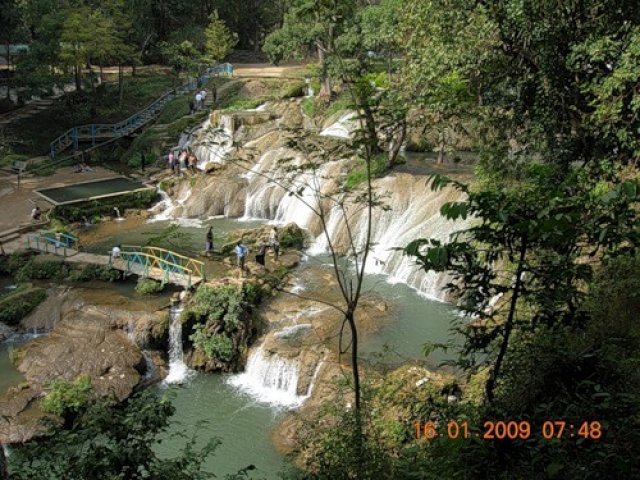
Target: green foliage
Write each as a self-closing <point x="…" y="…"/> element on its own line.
<point x="219" y="314"/>
<point x="64" y="397"/>
<point x="95" y="272"/>
<point x="358" y="175"/>
<point x="40" y="268"/>
<point x="292" y="238"/>
<point x="11" y="264"/>
<point x="18" y="304"/>
<point x="148" y="286"/>
<point x="110" y="441"/>
<point x="220" y="40"/>
<point x="77" y="211"/>
<point x="175" y="109"/>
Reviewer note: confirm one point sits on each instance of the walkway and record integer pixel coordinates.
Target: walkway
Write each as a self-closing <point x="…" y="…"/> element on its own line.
<point x="156" y="263"/>
<point x="99" y="134"/>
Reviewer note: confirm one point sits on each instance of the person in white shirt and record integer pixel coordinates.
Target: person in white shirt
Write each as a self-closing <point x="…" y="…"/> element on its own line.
<point x="198" y="101"/>
<point x="203" y="94"/>
<point x="115" y="252"/>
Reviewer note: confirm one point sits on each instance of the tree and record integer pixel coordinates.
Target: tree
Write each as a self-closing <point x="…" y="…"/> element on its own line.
<point x="220" y="40"/>
<point x="184" y="58"/>
<point x="520" y="266"/>
<point x="311" y="24"/>
<point x="110" y="441"/>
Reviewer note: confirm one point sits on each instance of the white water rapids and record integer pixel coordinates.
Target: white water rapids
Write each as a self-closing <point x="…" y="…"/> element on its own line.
<point x="178" y="370"/>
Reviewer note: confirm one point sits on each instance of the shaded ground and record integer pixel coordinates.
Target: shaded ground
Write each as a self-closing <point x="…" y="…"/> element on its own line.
<point x="18" y="200"/>
<point x="266" y="70"/>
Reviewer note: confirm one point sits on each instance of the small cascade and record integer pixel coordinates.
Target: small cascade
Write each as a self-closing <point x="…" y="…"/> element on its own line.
<point x="151" y="369"/>
<point x="345" y="127"/>
<point x="164" y="209"/>
<point x="118" y="216"/>
<point x="211" y="143"/>
<point x="178" y="370"/>
<point x="270" y="379"/>
<point x="131" y="330"/>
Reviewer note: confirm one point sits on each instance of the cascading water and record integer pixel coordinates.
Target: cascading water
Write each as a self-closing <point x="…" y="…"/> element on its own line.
<point x="345" y="127"/>
<point x="178" y="370"/>
<point x="270" y="379"/>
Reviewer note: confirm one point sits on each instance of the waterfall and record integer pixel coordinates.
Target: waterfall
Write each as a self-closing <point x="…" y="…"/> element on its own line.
<point x="178" y="370"/>
<point x="345" y="127"/>
<point x="270" y="379"/>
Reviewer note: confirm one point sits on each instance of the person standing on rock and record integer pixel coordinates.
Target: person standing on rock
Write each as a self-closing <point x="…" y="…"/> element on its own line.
<point x="274" y="243"/>
<point x="241" y="252"/>
<point x="261" y="253"/>
<point x="203" y="94"/>
<point x="198" y="101"/>
<point x="116" y="252"/>
<point x="171" y="158"/>
<point x="209" y="242"/>
<point x="35" y="213"/>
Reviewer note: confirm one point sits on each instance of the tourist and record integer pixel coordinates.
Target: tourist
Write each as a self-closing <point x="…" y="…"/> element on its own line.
<point x="241" y="252"/>
<point x="261" y="253"/>
<point x="273" y="241"/>
<point x="171" y="159"/>
<point x="115" y="252"/>
<point x="35" y="213"/>
<point x="182" y="162"/>
<point x="193" y="162"/>
<point x="198" y="101"/>
<point x="209" y="243"/>
<point x="214" y="92"/>
<point x="192" y="107"/>
<point x="203" y="94"/>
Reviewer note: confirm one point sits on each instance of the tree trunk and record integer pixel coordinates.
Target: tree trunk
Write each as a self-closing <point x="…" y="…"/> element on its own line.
<point x="94" y="93"/>
<point x="508" y="326"/>
<point x="397" y="140"/>
<point x="4" y="470"/>
<point x="78" y="78"/>
<point x="120" y="84"/>
<point x="354" y="360"/>
<point x="441" y="146"/>
<point x="325" y="82"/>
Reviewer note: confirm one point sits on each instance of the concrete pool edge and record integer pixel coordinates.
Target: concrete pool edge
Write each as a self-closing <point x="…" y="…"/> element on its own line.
<point x="56" y="203"/>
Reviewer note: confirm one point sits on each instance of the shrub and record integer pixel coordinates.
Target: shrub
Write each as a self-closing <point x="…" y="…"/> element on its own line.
<point x="292" y="238"/>
<point x="95" y="272"/>
<point x="147" y="286"/>
<point x="66" y="397"/>
<point x="358" y="175"/>
<point x="40" y="268"/>
<point x="217" y="347"/>
<point x="15" y="306"/>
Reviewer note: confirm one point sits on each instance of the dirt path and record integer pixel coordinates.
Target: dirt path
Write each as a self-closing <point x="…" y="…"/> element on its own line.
<point x="18" y="201"/>
<point x="267" y="70"/>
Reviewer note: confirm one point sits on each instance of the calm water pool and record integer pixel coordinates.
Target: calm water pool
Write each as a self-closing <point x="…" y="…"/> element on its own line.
<point x="87" y="190"/>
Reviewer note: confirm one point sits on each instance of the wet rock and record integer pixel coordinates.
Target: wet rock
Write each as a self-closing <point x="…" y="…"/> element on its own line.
<point x="5" y="331"/>
<point x="83" y="344"/>
<point x="20" y="418"/>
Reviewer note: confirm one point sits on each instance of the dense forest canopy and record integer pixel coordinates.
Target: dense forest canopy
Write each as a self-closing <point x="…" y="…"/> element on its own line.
<point x="547" y="95"/>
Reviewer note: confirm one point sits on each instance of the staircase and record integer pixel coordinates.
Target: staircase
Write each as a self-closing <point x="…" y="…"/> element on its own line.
<point x="97" y="134"/>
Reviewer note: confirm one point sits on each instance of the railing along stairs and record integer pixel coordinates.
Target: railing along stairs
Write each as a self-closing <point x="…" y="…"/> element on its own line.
<point x="96" y="133"/>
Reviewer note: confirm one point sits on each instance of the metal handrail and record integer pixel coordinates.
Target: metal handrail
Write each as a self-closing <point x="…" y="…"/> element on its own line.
<point x="169" y="256"/>
<point x="148" y="261"/>
<point x="120" y="129"/>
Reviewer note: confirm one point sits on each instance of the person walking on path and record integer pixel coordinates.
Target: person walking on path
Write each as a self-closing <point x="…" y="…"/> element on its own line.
<point x="192" y="107"/>
<point x="203" y="94"/>
<point x="209" y="242"/>
<point x="261" y="253"/>
<point x="274" y="243"/>
<point x="171" y="160"/>
<point x="116" y="252"/>
<point x="214" y="92"/>
<point x="198" y="101"/>
<point x="241" y="253"/>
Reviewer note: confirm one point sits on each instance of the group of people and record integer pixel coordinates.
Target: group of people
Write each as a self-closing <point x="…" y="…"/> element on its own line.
<point x="242" y="251"/>
<point x="197" y="103"/>
<point x="185" y="160"/>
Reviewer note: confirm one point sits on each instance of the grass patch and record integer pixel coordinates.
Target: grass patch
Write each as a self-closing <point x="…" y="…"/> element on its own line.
<point x="359" y="174"/>
<point x="148" y="286"/>
<point x="176" y="108"/>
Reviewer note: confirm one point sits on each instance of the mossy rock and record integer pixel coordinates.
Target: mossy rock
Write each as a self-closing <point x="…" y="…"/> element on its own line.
<point x="15" y="306"/>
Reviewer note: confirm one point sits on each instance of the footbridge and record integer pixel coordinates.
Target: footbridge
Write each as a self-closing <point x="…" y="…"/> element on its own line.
<point x="145" y="261"/>
<point x="97" y="133"/>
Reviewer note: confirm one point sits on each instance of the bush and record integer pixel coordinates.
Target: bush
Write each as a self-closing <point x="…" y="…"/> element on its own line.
<point x="11" y="264"/>
<point x="95" y="272"/>
<point x="217" y="347"/>
<point x="97" y="208"/>
<point x="15" y="306"/>
<point x="66" y="397"/>
<point x="41" y="268"/>
<point x="147" y="286"/>
<point x="358" y="175"/>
